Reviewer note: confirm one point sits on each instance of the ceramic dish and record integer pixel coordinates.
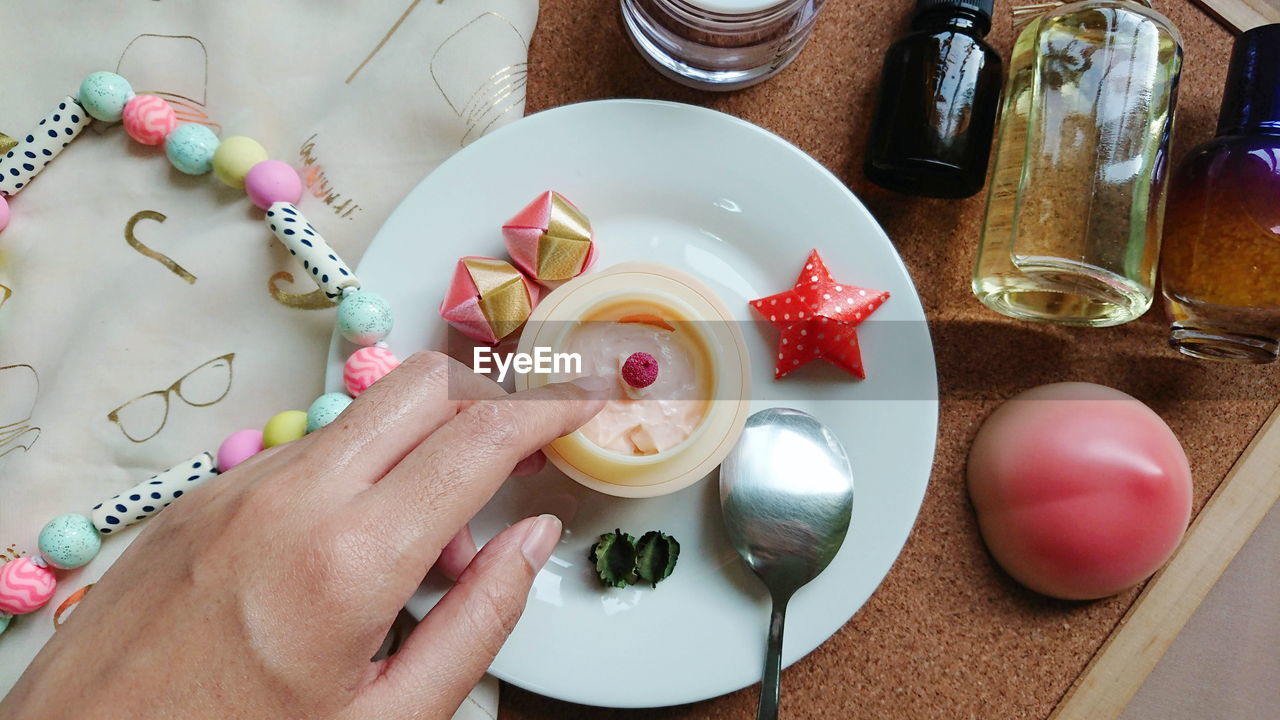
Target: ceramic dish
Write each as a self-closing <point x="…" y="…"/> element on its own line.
<point x="738" y="208"/>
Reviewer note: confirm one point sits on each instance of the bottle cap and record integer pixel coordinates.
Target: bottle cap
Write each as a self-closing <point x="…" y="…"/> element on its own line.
<point x="981" y="7"/>
<point x="1252" y="98"/>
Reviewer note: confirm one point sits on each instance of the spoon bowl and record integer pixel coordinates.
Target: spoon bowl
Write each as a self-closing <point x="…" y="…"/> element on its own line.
<point x="786" y="490"/>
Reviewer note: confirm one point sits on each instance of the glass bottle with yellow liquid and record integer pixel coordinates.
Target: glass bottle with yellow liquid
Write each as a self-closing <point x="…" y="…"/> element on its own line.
<point x="1073" y="221"/>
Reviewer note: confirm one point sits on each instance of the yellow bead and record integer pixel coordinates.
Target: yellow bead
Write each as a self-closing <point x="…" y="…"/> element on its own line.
<point x="234" y="157"/>
<point x="284" y="427"/>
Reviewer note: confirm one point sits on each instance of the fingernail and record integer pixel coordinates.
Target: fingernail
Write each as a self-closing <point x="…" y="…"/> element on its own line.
<point x="593" y="383"/>
<point x="541" y="541"/>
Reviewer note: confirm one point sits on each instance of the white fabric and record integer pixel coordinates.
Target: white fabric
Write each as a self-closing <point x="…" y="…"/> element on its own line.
<point x="94" y="322"/>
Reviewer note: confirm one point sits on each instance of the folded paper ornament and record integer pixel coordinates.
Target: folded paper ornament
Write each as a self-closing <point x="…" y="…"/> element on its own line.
<point x="818" y="318"/>
<point x="488" y="299"/>
<point x="550" y="239"/>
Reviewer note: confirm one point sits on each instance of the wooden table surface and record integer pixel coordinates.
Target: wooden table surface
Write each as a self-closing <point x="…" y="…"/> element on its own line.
<point x="947" y="635"/>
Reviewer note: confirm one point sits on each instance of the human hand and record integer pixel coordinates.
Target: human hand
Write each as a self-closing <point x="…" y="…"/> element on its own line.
<point x="265" y="592"/>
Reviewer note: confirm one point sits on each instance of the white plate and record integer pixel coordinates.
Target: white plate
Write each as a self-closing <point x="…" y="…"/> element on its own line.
<point x="740" y="208"/>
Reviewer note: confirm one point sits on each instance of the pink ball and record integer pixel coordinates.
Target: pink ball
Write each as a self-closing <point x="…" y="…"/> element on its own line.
<point x="367" y="366"/>
<point x="4" y="212"/>
<point x="1081" y="490"/>
<point x="272" y="181"/>
<point x="149" y="119"/>
<point x="238" y="447"/>
<point x="24" y="586"/>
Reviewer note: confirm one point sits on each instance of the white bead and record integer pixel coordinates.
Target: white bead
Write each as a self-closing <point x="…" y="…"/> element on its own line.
<point x="304" y="243"/>
<point x="152" y="495"/>
<point x="41" y="144"/>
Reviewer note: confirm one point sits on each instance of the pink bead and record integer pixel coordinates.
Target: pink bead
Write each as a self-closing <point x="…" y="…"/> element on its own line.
<point x="366" y="366"/>
<point x="238" y="447"/>
<point x="149" y="119"/>
<point x="4" y="212"/>
<point x="25" y="586"/>
<point x="272" y="181"/>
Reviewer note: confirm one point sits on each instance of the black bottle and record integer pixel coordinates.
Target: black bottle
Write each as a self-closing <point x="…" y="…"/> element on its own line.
<point x="938" y="103"/>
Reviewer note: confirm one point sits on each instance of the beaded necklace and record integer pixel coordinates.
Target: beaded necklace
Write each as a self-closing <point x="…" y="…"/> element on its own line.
<point x="363" y="318"/>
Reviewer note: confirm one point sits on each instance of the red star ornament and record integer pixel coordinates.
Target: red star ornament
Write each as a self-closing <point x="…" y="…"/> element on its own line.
<point x="818" y="318"/>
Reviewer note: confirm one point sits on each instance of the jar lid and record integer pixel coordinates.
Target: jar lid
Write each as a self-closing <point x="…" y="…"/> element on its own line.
<point x="1252" y="97"/>
<point x="981" y="7"/>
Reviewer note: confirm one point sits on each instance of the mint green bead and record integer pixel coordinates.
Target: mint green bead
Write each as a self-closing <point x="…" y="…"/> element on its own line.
<point x="4" y="621"/>
<point x="69" y="541"/>
<point x="190" y="148"/>
<point x="104" y="94"/>
<point x="364" y="318"/>
<point x="325" y="409"/>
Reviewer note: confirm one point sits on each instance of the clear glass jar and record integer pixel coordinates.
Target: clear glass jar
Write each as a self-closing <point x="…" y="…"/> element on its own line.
<point x="1073" y="222"/>
<point x="719" y="44"/>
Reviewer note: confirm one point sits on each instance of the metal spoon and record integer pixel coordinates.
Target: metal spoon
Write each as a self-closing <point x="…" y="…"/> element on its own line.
<point x="787" y="494"/>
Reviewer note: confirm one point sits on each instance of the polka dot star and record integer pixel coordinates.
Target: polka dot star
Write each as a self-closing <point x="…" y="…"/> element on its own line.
<point x="818" y="318"/>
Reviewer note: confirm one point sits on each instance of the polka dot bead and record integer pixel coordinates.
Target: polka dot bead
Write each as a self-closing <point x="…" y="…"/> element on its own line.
<point x="235" y="157"/>
<point x="367" y="366"/>
<point x="41" y="145"/>
<point x="104" y="95"/>
<point x="284" y="427"/>
<point x="325" y="409"/>
<point x="272" y="181"/>
<point x="364" y="318"/>
<point x="25" y="586"/>
<point x="190" y="148"/>
<point x="69" y="541"/>
<point x="149" y="119"/>
<point x="238" y="447"/>
<point x="4" y="213"/>
<point x="152" y="495"/>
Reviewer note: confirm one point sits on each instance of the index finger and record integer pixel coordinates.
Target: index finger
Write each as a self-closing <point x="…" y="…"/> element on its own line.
<point x="443" y="482"/>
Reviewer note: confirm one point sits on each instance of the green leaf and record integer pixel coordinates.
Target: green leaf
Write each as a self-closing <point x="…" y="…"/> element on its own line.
<point x="614" y="556"/>
<point x="656" y="556"/>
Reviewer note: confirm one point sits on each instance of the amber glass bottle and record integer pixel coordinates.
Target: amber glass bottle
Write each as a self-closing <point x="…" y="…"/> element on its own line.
<point x="1220" y="266"/>
<point x="939" y="94"/>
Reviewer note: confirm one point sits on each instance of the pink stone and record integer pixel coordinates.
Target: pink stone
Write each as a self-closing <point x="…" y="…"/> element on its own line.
<point x="238" y="447"/>
<point x="149" y="119"/>
<point x="25" y="586"/>
<point x="367" y="366"/>
<point x="640" y="370"/>
<point x="272" y="181"/>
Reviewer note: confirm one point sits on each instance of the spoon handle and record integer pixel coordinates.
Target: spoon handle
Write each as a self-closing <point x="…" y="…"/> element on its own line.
<point x="772" y="663"/>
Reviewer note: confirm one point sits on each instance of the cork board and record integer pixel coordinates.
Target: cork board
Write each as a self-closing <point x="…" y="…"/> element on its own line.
<point x="947" y="635"/>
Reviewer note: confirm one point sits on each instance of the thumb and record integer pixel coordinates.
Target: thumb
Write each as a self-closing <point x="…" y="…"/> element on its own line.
<point x="447" y="653"/>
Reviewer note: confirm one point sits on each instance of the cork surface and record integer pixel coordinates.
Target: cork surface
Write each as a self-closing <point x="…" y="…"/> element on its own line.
<point x="947" y="635"/>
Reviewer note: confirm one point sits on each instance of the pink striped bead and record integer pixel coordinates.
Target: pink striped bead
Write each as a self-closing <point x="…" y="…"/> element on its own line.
<point x="366" y="366"/>
<point x="25" y="586"/>
<point x="149" y="119"/>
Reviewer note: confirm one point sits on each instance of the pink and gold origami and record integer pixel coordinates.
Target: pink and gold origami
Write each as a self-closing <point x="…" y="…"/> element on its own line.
<point x="488" y="299"/>
<point x="550" y="239"/>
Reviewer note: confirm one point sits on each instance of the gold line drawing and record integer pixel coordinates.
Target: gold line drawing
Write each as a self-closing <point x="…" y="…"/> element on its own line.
<point x="216" y="372"/>
<point x="494" y="96"/>
<point x="315" y="300"/>
<point x="10" y="553"/>
<point x="19" y="388"/>
<point x="187" y="107"/>
<point x="5" y="294"/>
<point x="413" y="4"/>
<point x="156" y="255"/>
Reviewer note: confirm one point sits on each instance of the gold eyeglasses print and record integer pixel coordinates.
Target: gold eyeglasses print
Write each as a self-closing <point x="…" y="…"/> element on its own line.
<point x="202" y="387"/>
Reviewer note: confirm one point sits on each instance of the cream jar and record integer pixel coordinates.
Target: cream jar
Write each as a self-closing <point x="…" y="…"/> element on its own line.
<point x="705" y="334"/>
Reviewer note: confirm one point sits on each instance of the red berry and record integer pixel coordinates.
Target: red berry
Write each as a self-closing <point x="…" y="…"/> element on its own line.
<point x="640" y="370"/>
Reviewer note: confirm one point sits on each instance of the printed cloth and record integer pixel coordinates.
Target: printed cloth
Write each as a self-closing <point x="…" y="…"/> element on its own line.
<point x="145" y="314"/>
